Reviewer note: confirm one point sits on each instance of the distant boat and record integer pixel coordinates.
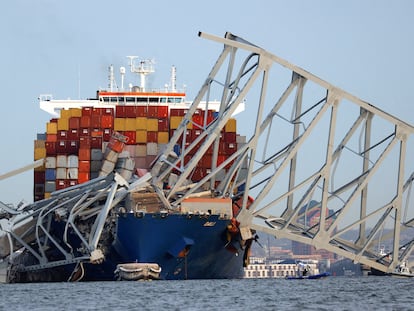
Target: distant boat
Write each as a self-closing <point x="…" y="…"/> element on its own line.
<point x="306" y="272"/>
<point x="402" y="270"/>
<point x="310" y="277"/>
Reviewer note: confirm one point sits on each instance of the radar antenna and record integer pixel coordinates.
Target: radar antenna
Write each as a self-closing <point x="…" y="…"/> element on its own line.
<point x="144" y="68"/>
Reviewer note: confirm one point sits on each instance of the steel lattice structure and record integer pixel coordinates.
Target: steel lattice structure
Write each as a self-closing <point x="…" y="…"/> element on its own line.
<point x="324" y="167"/>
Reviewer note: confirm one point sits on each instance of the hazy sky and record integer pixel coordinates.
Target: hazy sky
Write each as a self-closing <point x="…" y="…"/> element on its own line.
<point x="49" y="46"/>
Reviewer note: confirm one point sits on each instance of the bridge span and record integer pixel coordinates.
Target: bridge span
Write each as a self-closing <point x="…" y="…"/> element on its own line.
<point x="321" y="163"/>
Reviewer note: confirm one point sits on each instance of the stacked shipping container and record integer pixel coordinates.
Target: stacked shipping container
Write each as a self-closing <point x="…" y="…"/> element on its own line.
<point x="75" y="143"/>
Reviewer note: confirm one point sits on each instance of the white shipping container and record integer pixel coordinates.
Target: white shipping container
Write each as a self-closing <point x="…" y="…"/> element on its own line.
<point x="61" y="161"/>
<point x="140" y="150"/>
<point x="61" y="173"/>
<point x="240" y="139"/>
<point x="73" y="161"/>
<point x="72" y="173"/>
<point x="107" y="167"/>
<point x="50" y="162"/>
<point x="211" y="206"/>
<point x="111" y="155"/>
<point x="130" y="149"/>
<point x="125" y="163"/>
<point x="126" y="174"/>
<point x="152" y="149"/>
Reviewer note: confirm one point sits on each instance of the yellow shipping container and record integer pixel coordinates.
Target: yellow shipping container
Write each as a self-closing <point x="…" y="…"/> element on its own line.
<point x="152" y="125"/>
<point x="141" y="123"/>
<point x="163" y="137"/>
<point x="141" y="136"/>
<point x="47" y="195"/>
<point x="75" y="112"/>
<point x="39" y="153"/>
<point x="119" y="124"/>
<point x="231" y="126"/>
<point x="63" y="124"/>
<point x="175" y="122"/>
<point x="38" y="143"/>
<point x="51" y="128"/>
<point x="130" y="124"/>
<point x="65" y="114"/>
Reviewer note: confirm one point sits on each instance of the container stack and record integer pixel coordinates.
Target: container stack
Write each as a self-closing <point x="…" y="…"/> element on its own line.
<point x="89" y="142"/>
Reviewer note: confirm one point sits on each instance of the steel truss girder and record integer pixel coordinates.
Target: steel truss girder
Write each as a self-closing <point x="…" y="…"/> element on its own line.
<point x="269" y="167"/>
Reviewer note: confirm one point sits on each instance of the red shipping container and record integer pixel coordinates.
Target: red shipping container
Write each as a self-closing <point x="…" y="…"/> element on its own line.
<point x="107" y="133"/>
<point x="230" y="148"/>
<point x="107" y="121"/>
<point x="163" y="125"/>
<point x="130" y="111"/>
<point x="74" y="122"/>
<point x="198" y="121"/>
<point x="85" y="132"/>
<point x="162" y="111"/>
<point x="39" y="177"/>
<point x="152" y="137"/>
<point x="84" y="166"/>
<point x="198" y="112"/>
<point x="141" y="111"/>
<point x="178" y="112"/>
<point x="95" y="121"/>
<point x="84" y="154"/>
<point x="152" y="111"/>
<point x="83" y="177"/>
<point x="96" y="132"/>
<point x="229" y="137"/>
<point x="85" y="142"/>
<point x="51" y="137"/>
<point x="198" y="174"/>
<point x="61" y="184"/>
<point x="61" y="147"/>
<point x="87" y="111"/>
<point x="222" y="148"/>
<point x="221" y="159"/>
<point x="73" y="134"/>
<point x="96" y="111"/>
<point x="62" y="135"/>
<point x="85" y="121"/>
<point x="107" y="112"/>
<point x="72" y="146"/>
<point x="96" y="142"/>
<point x="120" y="112"/>
<point x="72" y="182"/>
<point x="50" y="148"/>
<point x="210" y="119"/>
<point x="131" y="137"/>
<point x="116" y="145"/>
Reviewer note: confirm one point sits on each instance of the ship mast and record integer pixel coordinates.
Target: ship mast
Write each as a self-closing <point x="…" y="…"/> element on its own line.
<point x="144" y="68"/>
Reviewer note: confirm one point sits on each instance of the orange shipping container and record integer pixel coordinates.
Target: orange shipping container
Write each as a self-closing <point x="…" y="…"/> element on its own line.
<point x="83" y="177"/>
<point x="84" y="154"/>
<point x="75" y="112"/>
<point x="84" y="166"/>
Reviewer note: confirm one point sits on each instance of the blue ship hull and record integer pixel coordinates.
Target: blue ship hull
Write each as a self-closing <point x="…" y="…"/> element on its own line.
<point x="185" y="247"/>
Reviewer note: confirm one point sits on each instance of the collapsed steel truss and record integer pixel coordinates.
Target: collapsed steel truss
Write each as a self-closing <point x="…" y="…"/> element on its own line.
<point x="324" y="167"/>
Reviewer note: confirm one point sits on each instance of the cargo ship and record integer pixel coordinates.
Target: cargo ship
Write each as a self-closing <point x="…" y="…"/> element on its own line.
<point x="103" y="189"/>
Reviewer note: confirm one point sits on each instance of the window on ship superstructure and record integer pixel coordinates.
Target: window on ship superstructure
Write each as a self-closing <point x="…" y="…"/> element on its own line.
<point x="142" y="99"/>
<point x="130" y="100"/>
<point x="154" y="100"/>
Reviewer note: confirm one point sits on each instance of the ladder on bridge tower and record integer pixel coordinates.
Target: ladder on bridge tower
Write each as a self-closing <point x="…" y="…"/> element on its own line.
<point x="324" y="167"/>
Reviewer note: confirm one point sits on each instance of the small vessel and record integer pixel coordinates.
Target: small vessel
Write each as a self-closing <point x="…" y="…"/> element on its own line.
<point x="137" y="271"/>
<point x="306" y="271"/>
<point x="402" y="270"/>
